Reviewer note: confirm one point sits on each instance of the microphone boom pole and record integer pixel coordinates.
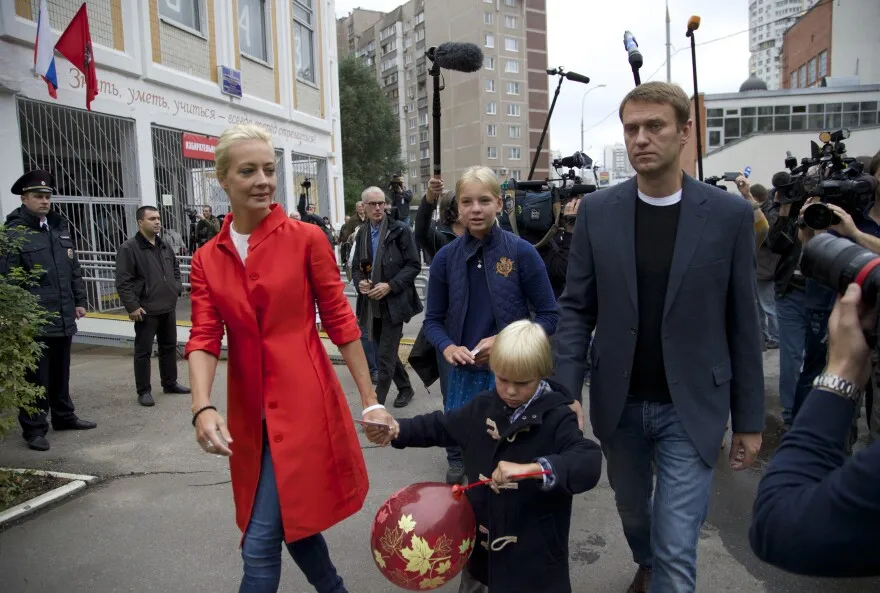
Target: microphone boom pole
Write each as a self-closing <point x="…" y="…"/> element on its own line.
<point x="693" y="25"/>
<point x="573" y="76"/>
<point x="437" y="86"/>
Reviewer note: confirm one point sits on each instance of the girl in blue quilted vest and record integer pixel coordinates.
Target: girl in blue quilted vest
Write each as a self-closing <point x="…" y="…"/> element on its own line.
<point x="479" y="284"/>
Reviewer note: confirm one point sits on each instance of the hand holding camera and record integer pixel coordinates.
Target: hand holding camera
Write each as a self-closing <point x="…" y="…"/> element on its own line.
<point x="849" y="356"/>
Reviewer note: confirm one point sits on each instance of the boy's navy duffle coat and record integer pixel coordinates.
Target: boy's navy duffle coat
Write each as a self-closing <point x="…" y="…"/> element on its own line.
<point x="522" y="533"/>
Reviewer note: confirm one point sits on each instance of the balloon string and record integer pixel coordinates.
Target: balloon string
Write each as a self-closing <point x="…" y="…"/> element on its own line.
<point x="458" y="490"/>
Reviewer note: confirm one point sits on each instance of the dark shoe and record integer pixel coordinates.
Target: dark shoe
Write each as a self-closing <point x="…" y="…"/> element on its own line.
<point x="772" y="345"/>
<point x="374" y="377"/>
<point x="641" y="582"/>
<point x="74" y="424"/>
<point x="176" y="388"/>
<point x="146" y="399"/>
<point x="38" y="443"/>
<point x="455" y="473"/>
<point x="402" y="400"/>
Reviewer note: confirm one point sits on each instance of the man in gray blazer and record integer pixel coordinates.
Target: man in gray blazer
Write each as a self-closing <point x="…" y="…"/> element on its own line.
<point x="663" y="268"/>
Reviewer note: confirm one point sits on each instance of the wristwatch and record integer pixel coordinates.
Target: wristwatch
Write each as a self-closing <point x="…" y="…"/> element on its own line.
<point x="839" y="386"/>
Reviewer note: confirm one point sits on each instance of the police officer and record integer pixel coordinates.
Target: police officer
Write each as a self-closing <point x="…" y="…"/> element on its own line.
<point x="60" y="291"/>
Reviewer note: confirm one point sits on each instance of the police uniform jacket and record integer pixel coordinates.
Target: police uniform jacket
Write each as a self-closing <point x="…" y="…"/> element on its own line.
<point x="59" y="288"/>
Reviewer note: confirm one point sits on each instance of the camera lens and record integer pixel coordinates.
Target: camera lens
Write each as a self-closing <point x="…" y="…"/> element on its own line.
<point x="837" y="263"/>
<point x="818" y="216"/>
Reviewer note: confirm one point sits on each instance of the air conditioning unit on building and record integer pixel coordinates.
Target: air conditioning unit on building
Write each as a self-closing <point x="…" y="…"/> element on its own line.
<point x="504" y="171"/>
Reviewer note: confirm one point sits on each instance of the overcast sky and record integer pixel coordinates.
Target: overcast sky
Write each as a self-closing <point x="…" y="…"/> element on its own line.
<point x="586" y="36"/>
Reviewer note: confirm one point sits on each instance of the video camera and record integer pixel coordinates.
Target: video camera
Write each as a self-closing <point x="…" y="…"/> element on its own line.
<point x="838" y="262"/>
<point x="829" y="175"/>
<point x="533" y="209"/>
<point x="729" y="176"/>
<point x="396" y="183"/>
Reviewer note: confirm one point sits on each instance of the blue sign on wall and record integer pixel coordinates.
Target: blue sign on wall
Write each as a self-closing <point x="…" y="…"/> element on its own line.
<point x="230" y="81"/>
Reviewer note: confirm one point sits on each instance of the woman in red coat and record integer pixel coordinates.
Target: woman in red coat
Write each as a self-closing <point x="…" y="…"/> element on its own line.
<point x="295" y="459"/>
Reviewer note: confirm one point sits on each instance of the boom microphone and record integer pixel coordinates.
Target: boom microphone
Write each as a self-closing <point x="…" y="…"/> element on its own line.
<point x="575" y="77"/>
<point x="632" y="47"/>
<point x="461" y="57"/>
<point x="693" y="25"/>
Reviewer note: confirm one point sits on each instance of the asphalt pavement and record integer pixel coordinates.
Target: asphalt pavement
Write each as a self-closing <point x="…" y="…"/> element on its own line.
<point x="162" y="518"/>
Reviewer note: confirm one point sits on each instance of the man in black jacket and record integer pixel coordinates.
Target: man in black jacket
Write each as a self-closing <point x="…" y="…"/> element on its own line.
<point x="817" y="510"/>
<point x="148" y="283"/>
<point x="61" y="292"/>
<point x="384" y="269"/>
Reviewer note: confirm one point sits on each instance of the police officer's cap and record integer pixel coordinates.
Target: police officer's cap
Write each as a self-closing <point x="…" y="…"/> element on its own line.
<point x="35" y="181"/>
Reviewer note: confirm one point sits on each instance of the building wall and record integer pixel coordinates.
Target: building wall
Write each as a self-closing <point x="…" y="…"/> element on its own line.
<point x="856" y="41"/>
<point x="539" y="100"/>
<point x="169" y="79"/>
<point x="806" y="44"/>
<point x="768" y="20"/>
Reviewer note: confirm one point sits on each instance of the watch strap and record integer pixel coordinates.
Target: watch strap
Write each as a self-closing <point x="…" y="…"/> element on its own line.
<point x="839" y="386"/>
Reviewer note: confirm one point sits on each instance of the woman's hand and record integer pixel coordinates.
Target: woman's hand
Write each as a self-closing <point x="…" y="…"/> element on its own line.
<point x="377" y="434"/>
<point x="458" y="355"/>
<point x="212" y="434"/>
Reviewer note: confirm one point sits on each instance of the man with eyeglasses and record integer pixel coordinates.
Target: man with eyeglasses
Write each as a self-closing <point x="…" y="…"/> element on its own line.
<point x="385" y="266"/>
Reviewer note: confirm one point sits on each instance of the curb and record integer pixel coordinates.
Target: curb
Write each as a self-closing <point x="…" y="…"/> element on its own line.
<point x="77" y="483"/>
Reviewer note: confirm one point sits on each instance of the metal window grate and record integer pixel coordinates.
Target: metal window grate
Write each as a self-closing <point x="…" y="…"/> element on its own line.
<point x="315" y="170"/>
<point x="62" y="11"/>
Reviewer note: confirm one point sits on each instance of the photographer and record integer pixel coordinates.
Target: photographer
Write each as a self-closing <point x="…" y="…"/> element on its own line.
<point x="555" y="253"/>
<point x="207" y="226"/>
<point x="817" y="511"/>
<point x="400" y="197"/>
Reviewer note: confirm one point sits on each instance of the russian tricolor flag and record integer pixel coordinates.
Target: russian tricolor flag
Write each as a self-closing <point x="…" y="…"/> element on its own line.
<point x="44" y="51"/>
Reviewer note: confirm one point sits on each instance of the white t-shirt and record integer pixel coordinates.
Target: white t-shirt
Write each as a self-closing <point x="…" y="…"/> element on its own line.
<point x="667" y="201"/>
<point x="240" y="241"/>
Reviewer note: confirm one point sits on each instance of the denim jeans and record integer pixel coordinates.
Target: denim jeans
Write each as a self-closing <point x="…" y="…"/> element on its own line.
<point x="261" y="550"/>
<point x="791" y="311"/>
<point x="662" y="523"/>
<point x="452" y="453"/>
<point x="767" y="307"/>
<point x="369" y="350"/>
<point x="819" y="302"/>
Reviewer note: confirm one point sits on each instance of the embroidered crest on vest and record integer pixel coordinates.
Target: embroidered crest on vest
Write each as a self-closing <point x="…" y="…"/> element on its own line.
<point x="504" y="266"/>
<point x="492" y="431"/>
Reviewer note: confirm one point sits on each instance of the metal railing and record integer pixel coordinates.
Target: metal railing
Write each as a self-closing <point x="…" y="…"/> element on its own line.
<point x="99" y="274"/>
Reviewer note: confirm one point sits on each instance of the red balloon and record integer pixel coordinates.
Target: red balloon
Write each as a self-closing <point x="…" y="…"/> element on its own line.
<point x="423" y="536"/>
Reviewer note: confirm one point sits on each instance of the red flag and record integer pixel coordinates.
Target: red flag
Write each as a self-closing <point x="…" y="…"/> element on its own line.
<point x="75" y="44"/>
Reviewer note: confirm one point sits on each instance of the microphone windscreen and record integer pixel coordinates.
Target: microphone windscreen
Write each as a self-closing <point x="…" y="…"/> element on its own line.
<point x="693" y="23"/>
<point x="461" y="57"/>
<point x="781" y="179"/>
<point x="577" y="77"/>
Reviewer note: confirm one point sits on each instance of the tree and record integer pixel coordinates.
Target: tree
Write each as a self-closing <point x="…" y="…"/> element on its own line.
<point x="370" y="131"/>
<point x="21" y="319"/>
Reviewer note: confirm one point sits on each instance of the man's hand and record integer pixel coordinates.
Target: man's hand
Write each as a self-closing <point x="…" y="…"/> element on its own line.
<point x="80" y="312"/>
<point x="137" y="315"/>
<point x="458" y="355"/>
<point x="744" y="450"/>
<point x="742" y="184"/>
<point x="846" y="227"/>
<point x="435" y="188"/>
<point x="849" y="356"/>
<point x="380" y="291"/>
<point x="571" y="209"/>
<point x="505" y="472"/>
<point x="365" y="286"/>
<point x="484" y="349"/>
<point x="578" y="409"/>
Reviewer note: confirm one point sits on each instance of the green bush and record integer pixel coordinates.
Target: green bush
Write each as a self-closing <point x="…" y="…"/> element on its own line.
<point x="21" y="319"/>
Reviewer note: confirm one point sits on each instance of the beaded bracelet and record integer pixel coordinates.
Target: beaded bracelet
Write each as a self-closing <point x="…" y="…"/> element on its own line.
<point x="200" y="410"/>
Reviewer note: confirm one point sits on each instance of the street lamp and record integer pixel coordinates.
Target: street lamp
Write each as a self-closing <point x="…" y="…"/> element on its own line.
<point x="587" y="92"/>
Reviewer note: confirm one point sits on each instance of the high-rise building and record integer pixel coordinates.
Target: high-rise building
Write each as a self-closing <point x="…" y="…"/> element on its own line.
<point x="493" y="117"/>
<point x="617" y="162"/>
<point x="768" y="21"/>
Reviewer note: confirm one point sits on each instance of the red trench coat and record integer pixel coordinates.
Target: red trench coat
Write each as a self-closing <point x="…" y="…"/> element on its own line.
<point x="278" y="367"/>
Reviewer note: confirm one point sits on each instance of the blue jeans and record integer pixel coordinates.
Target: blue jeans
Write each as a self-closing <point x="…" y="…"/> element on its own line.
<point x="820" y="301"/>
<point x="452" y="453"/>
<point x="662" y="524"/>
<point x="261" y="550"/>
<point x="791" y="310"/>
<point x="369" y="350"/>
<point x="767" y="307"/>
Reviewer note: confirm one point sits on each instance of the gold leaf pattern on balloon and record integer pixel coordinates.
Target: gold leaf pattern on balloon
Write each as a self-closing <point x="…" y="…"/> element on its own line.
<point x="465" y="546"/>
<point x="432" y="583"/>
<point x="443" y="567"/>
<point x="443" y="545"/>
<point x="418" y="555"/>
<point x="380" y="559"/>
<point x="406" y="523"/>
<point x="392" y="540"/>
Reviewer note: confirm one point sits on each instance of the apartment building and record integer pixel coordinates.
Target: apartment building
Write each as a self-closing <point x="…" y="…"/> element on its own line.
<point x="768" y="21"/>
<point x="493" y="117"/>
<point x="173" y="74"/>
